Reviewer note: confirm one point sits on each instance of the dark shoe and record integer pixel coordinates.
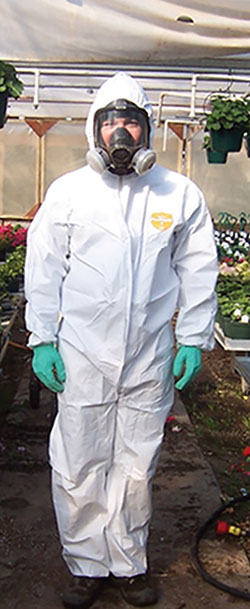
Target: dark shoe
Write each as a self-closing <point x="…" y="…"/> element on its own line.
<point x="81" y="592"/>
<point x="138" y="590"/>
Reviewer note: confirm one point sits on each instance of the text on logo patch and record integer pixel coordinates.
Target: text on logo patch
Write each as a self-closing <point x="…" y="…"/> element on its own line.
<point x="161" y="220"/>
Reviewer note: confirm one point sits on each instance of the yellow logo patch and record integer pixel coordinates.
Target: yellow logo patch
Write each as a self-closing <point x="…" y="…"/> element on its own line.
<point x="161" y="220"/>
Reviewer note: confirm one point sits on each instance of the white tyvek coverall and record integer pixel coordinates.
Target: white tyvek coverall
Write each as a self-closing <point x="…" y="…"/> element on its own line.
<point x="116" y="256"/>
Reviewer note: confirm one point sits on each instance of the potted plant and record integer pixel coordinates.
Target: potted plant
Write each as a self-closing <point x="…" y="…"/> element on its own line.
<point x="247" y="143"/>
<point x="6" y="235"/>
<point x="213" y="156"/>
<point x="233" y="247"/>
<point x="233" y="292"/>
<point x="228" y="120"/>
<point x="10" y="86"/>
<point x="11" y="272"/>
<point x="3" y="290"/>
<point x="19" y="236"/>
<point x="10" y="238"/>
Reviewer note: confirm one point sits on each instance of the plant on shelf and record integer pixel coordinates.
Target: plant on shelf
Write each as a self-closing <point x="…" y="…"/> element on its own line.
<point x="10" y="86"/>
<point x="240" y="222"/>
<point x="233" y="298"/>
<point x="3" y="290"/>
<point x="10" y="238"/>
<point x="228" y="120"/>
<point x="3" y="294"/>
<point x="232" y="246"/>
<point x="11" y="271"/>
<point x="233" y="292"/>
<point x="213" y="156"/>
<point x="19" y="236"/>
<point x="6" y="233"/>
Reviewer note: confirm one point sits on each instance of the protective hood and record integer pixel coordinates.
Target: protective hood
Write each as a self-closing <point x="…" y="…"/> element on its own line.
<point x="120" y="86"/>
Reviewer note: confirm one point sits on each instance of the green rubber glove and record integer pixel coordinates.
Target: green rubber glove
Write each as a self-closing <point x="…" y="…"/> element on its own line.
<point x="190" y="359"/>
<point x="49" y="367"/>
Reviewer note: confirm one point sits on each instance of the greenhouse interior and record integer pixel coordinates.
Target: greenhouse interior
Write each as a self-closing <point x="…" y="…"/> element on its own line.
<point x="192" y="58"/>
<point x="180" y="54"/>
<point x="44" y="135"/>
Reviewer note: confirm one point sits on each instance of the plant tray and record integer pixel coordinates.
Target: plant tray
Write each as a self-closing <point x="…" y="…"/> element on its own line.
<point x="235" y="329"/>
<point x="230" y="344"/>
<point x="242" y="366"/>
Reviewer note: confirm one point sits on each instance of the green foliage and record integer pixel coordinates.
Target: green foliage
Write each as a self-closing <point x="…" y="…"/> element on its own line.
<point x="232" y="245"/>
<point x="233" y="294"/>
<point x="227" y="112"/>
<point x="246" y="422"/>
<point x="3" y="290"/>
<point x="9" y="82"/>
<point x="13" y="268"/>
<point x="206" y="144"/>
<point x="211" y="422"/>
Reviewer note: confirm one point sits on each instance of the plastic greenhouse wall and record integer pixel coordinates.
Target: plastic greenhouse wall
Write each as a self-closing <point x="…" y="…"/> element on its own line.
<point x="226" y="187"/>
<point x="28" y="164"/>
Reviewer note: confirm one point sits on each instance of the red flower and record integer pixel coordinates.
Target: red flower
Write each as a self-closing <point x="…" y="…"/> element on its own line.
<point x="246" y="451"/>
<point x="19" y="237"/>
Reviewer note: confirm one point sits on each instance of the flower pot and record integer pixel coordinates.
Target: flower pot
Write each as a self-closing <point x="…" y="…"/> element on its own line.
<point x="236" y="329"/>
<point x="247" y="144"/>
<point x="3" y="108"/>
<point x="216" y="156"/>
<point x="227" y="140"/>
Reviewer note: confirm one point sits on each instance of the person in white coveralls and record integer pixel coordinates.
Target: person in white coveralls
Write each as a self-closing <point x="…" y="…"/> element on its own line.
<point x="115" y="249"/>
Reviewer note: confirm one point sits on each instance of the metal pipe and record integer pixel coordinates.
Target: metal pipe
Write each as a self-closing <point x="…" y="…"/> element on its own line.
<point x="193" y="95"/>
<point x="36" y="88"/>
<point x="163" y="94"/>
<point x="81" y="118"/>
<point x="155" y="72"/>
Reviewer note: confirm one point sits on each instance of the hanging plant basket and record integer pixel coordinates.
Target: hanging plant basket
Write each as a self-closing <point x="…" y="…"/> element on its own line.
<point x="216" y="156"/>
<point x="213" y="156"/>
<point x="3" y="108"/>
<point x="227" y="140"/>
<point x="10" y="86"/>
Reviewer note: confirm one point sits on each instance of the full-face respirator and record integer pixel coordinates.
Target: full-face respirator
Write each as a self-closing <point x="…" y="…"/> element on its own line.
<point x="123" y="155"/>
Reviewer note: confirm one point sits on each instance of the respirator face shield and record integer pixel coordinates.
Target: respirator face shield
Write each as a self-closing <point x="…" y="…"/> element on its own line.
<point x="121" y="136"/>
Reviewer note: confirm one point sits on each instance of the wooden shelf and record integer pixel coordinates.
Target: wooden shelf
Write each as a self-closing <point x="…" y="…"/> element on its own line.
<point x="240" y="363"/>
<point x="8" y="320"/>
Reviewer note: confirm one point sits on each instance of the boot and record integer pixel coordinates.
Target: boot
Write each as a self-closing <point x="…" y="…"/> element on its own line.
<point x="81" y="592"/>
<point x="138" y="590"/>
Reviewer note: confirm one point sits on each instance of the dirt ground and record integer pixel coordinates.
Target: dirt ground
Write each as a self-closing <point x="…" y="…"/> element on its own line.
<point x="220" y="414"/>
<point x="201" y="462"/>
